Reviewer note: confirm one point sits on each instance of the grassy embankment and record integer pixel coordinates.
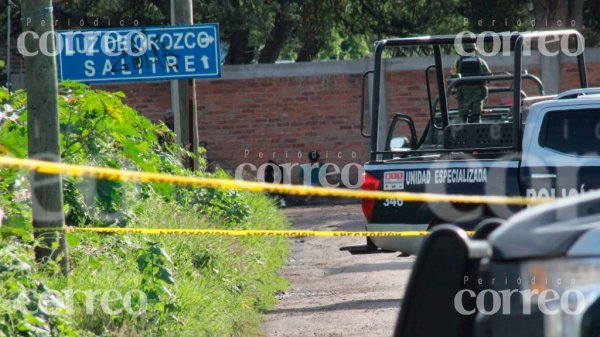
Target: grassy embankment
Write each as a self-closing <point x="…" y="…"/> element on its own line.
<point x="194" y="285"/>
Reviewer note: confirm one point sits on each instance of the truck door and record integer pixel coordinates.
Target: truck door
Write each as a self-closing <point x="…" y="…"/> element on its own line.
<point x="563" y="157"/>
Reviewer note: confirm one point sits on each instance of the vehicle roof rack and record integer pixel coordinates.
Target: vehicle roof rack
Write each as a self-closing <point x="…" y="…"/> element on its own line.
<point x="466" y="38"/>
<point x="574" y="93"/>
<point x="514" y="40"/>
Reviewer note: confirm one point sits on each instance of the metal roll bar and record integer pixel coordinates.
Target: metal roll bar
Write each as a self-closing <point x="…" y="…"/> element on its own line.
<point x="516" y="41"/>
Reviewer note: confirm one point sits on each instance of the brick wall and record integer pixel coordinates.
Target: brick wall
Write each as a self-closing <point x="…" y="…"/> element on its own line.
<point x="261" y="112"/>
<point x="570" y="75"/>
<point x="16" y="59"/>
<point x="281" y="117"/>
<point x="150" y="98"/>
<point x="269" y="114"/>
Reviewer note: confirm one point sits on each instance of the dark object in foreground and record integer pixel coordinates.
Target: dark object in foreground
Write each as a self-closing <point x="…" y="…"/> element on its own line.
<point x="458" y="284"/>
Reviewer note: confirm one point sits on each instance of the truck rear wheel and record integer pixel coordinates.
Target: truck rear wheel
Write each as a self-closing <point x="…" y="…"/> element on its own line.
<point x="370" y="243"/>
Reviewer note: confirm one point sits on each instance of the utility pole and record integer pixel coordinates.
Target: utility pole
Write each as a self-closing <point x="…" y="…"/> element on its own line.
<point x="8" y="45"/>
<point x="183" y="92"/>
<point x="42" y="125"/>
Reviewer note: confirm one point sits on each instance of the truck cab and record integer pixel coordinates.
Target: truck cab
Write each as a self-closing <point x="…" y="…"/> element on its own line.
<point x="537" y="145"/>
<point x="560" y="146"/>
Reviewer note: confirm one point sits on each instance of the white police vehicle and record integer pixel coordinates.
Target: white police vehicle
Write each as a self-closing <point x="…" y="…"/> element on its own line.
<point x="540" y="146"/>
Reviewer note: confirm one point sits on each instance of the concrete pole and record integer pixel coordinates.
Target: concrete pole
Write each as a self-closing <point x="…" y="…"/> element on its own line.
<point x="43" y="130"/>
<point x="8" y="45"/>
<point x="550" y="69"/>
<point x="183" y="92"/>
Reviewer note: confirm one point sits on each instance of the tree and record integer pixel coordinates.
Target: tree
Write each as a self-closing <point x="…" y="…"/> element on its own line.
<point x="591" y="23"/>
<point x="244" y="25"/>
<point x="552" y="14"/>
<point x="285" y="19"/>
<point x="508" y="15"/>
<point x="314" y="29"/>
<point x="304" y="30"/>
<point x="68" y="14"/>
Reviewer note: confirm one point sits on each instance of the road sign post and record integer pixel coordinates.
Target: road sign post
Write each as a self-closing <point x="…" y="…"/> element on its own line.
<point x="184" y="91"/>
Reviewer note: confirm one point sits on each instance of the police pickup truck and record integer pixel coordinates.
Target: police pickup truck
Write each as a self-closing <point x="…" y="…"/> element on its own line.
<point x="538" y="146"/>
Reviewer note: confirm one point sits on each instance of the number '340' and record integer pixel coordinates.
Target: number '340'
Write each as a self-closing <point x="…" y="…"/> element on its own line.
<point x="393" y="203"/>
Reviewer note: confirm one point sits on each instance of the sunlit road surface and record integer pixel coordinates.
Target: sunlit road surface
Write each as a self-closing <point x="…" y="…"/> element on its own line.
<point x="333" y="293"/>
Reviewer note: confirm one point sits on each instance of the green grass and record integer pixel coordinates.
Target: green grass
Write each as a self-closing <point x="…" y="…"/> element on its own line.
<point x="195" y="285"/>
<point x="222" y="284"/>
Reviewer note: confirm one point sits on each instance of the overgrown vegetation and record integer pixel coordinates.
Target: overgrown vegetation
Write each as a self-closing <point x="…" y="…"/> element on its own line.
<point x="154" y="286"/>
<point x="21" y="297"/>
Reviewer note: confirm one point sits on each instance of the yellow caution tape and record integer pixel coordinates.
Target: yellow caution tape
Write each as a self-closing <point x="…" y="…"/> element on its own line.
<point x="147" y="177"/>
<point x="232" y="232"/>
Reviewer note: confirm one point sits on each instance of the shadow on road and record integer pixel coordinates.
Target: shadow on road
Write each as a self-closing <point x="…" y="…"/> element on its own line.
<point x="371" y="267"/>
<point x="348" y="305"/>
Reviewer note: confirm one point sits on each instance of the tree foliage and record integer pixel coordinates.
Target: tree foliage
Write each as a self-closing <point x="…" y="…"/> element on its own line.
<point x="265" y="31"/>
<point x="98" y="129"/>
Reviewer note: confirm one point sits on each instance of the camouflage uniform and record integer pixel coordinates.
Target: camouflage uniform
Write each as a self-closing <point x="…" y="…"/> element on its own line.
<point x="471" y="96"/>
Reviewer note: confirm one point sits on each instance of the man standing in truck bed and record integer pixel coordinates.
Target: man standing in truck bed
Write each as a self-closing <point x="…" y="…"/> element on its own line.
<point x="471" y="95"/>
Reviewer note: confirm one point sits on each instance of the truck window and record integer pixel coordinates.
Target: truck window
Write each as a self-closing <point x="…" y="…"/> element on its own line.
<point x="575" y="132"/>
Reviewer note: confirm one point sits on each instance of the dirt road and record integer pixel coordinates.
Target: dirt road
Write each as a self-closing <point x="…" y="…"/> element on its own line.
<point x="333" y="293"/>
